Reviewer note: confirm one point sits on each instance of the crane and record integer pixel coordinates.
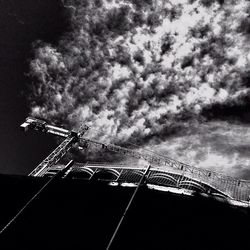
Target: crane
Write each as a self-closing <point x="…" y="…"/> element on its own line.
<point x="73" y="137"/>
<point x="233" y="187"/>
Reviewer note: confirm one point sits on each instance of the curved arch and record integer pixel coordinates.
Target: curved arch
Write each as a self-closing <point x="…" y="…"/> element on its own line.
<point x="192" y="185"/>
<point x="107" y="174"/>
<point x="163" y="179"/>
<point x="138" y="172"/>
<point x="48" y="175"/>
<point x="81" y="173"/>
<point x="219" y="196"/>
<point x="88" y="170"/>
<point x="131" y="176"/>
<point x="212" y="190"/>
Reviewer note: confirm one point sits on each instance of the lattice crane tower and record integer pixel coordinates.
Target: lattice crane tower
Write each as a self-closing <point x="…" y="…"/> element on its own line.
<point x="164" y="171"/>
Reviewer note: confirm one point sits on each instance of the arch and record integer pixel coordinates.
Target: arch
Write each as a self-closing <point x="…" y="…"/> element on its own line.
<point x="219" y="196"/>
<point x="212" y="190"/>
<point x="192" y="185"/>
<point x="81" y="173"/>
<point x="162" y="179"/>
<point x="138" y="172"/>
<point x="132" y="176"/>
<point x="48" y="175"/>
<point x="52" y="171"/>
<point x="107" y="174"/>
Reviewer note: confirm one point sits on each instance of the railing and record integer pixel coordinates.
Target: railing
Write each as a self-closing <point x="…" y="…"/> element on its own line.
<point x="187" y="178"/>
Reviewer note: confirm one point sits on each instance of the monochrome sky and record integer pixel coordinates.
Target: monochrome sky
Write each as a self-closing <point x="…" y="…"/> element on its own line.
<point x="167" y="76"/>
<point x="21" y="24"/>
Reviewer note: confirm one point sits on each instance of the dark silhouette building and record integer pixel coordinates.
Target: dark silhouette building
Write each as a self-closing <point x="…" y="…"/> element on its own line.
<point x="74" y="214"/>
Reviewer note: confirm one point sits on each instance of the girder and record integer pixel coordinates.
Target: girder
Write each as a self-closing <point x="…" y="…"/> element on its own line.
<point x="189" y="184"/>
<point x="163" y="167"/>
<point x="71" y="138"/>
<point x="161" y="177"/>
<point x="110" y="174"/>
<point x="54" y="157"/>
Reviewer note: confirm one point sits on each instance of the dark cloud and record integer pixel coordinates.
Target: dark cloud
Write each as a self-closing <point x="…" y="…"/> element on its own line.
<point x="234" y="111"/>
<point x="209" y="3"/>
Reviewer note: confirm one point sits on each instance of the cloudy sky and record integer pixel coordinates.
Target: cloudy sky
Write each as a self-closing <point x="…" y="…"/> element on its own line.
<point x="21" y="24"/>
<point x="169" y="76"/>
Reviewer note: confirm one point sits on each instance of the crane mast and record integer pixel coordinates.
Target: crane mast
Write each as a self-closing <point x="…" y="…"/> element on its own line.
<point x="234" y="189"/>
<point x="71" y="137"/>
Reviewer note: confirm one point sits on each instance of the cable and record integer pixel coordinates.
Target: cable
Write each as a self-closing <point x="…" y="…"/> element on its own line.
<point x="36" y="195"/>
<point x="127" y="208"/>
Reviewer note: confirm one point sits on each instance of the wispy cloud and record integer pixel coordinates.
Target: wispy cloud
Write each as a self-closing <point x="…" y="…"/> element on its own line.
<point x="219" y="146"/>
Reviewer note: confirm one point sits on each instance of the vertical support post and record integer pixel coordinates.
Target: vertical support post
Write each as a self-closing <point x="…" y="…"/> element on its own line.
<point x="60" y="173"/>
<point x="54" y="157"/>
<point x="127" y="208"/>
<point x="59" y="152"/>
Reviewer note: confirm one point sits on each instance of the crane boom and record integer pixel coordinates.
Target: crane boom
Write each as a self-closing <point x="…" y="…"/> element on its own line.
<point x="71" y="137"/>
<point x="40" y="125"/>
<point x="235" y="189"/>
<point x="155" y="159"/>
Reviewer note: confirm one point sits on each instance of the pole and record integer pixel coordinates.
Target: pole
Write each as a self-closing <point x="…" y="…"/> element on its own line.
<point x="127" y="208"/>
<point x="60" y="173"/>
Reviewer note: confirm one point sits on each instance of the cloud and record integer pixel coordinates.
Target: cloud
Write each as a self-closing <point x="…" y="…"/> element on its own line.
<point x="144" y="69"/>
<point x="219" y="146"/>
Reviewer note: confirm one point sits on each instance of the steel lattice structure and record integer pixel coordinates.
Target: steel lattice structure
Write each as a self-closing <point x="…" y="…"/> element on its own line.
<point x="164" y="171"/>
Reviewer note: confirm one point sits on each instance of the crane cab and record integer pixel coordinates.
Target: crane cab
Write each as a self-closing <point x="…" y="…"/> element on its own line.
<point x="33" y="123"/>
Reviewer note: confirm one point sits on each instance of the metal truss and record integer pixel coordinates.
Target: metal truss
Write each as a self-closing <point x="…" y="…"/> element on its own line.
<point x="238" y="190"/>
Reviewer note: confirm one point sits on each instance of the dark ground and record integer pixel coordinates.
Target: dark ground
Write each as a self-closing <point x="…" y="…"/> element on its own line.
<point x="76" y="214"/>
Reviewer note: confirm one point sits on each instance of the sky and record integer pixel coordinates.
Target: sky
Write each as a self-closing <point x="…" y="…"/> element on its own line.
<point x="21" y="24"/>
<point x="168" y="76"/>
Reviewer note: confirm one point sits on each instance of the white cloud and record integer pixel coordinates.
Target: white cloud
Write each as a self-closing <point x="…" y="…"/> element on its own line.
<point x="132" y="72"/>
